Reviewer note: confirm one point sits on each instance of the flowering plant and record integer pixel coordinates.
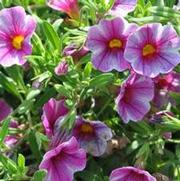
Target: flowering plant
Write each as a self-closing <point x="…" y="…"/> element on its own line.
<point x="89" y="90"/>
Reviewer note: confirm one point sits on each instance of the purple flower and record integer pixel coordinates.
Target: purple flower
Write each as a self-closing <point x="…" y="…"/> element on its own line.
<point x="63" y="161"/>
<point x="153" y="49"/>
<point x="130" y="174"/>
<point x="53" y="110"/>
<point x="16" y="29"/>
<point x="123" y="7"/>
<point x="92" y="135"/>
<point x="67" y="6"/>
<point x="164" y="84"/>
<point x="5" y="110"/>
<point x="133" y="100"/>
<point x="62" y="68"/>
<point x="75" y="52"/>
<point x="107" y="41"/>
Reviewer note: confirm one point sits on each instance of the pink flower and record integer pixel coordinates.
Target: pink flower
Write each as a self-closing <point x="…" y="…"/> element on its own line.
<point x="75" y="52"/>
<point x="62" y="68"/>
<point x="130" y="174"/>
<point x="63" y="161"/>
<point x="153" y="49"/>
<point x="53" y="111"/>
<point x="107" y="41"/>
<point x="5" y="110"/>
<point x="123" y="7"/>
<point x="92" y="135"/>
<point x="67" y="6"/>
<point x="164" y="84"/>
<point x="15" y="33"/>
<point x="133" y="100"/>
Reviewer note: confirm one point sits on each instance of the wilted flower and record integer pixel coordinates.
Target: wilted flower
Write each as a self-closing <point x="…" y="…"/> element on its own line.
<point x="164" y="84"/>
<point x="133" y="100"/>
<point x="16" y="29"/>
<point x="92" y="135"/>
<point x="75" y="52"/>
<point x="63" y="161"/>
<point x="62" y="68"/>
<point x="69" y="7"/>
<point x="130" y="174"/>
<point x="53" y="110"/>
<point x="123" y="7"/>
<point x="5" y="109"/>
<point x="153" y="49"/>
<point x="107" y="41"/>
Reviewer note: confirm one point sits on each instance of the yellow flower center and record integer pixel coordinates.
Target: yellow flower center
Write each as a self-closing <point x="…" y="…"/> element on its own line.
<point x="86" y="128"/>
<point x="17" y="42"/>
<point x="115" y="43"/>
<point x="148" y="50"/>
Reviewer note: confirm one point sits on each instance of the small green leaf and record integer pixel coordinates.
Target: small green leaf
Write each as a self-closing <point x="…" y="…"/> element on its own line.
<point x="102" y="80"/>
<point x="51" y="35"/>
<point x="4" y="130"/>
<point x="39" y="175"/>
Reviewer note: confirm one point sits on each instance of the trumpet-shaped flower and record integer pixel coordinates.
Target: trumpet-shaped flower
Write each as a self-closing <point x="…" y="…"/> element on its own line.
<point x="130" y="174"/>
<point x="62" y="68"/>
<point x="63" y="161"/>
<point x="69" y="7"/>
<point x="92" y="135"/>
<point x="16" y="29"/>
<point x="153" y="49"/>
<point x="123" y="7"/>
<point x="107" y="41"/>
<point x="133" y="100"/>
<point x="52" y="111"/>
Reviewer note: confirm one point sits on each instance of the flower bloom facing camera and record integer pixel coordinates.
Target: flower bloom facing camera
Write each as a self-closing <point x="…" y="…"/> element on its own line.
<point x="130" y="174"/>
<point x="63" y="161"/>
<point x="123" y="7"/>
<point x="70" y="7"/>
<point x="92" y="135"/>
<point x="133" y="100"/>
<point x="16" y="30"/>
<point x="153" y="49"/>
<point x="107" y="42"/>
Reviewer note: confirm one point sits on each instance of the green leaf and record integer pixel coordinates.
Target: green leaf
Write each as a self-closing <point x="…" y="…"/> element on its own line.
<point x="34" y="145"/>
<point x="9" y="85"/>
<point x="4" y="130"/>
<point x="62" y="90"/>
<point x="39" y="175"/>
<point x="102" y="80"/>
<point x="51" y="35"/>
<point x="21" y="164"/>
<point x="88" y="69"/>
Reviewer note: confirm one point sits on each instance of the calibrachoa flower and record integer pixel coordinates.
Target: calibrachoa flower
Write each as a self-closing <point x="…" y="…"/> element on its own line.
<point x="123" y="7"/>
<point x="16" y="29"/>
<point x="62" y="68"/>
<point x="153" y="49"/>
<point x="5" y="109"/>
<point x="163" y="85"/>
<point x="63" y="161"/>
<point x="67" y="6"/>
<point x="92" y="135"/>
<point x="107" y="41"/>
<point x="53" y="110"/>
<point x="75" y="52"/>
<point x="133" y="100"/>
<point x="130" y="174"/>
